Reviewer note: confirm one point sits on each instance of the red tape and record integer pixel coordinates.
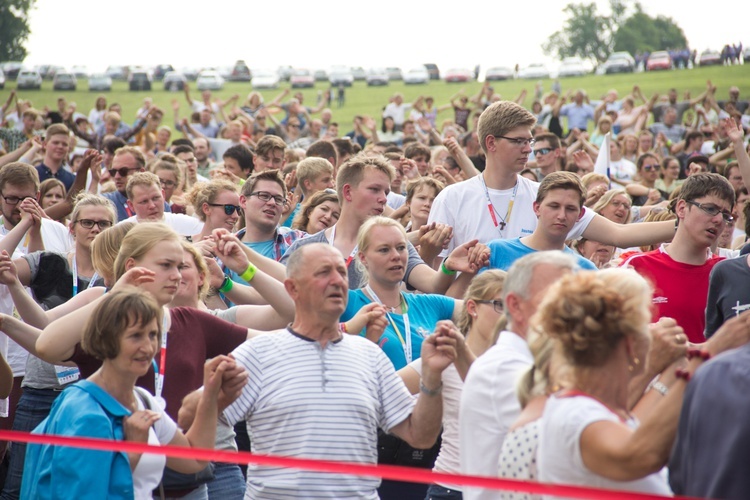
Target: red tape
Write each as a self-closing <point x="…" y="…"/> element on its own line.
<point x="392" y="472"/>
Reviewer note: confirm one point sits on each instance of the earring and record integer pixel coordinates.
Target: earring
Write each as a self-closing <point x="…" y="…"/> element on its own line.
<point x="636" y="362"/>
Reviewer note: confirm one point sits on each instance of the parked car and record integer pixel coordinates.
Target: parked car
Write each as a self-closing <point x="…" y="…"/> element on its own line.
<point x="619" y="62"/>
<point x="338" y="76"/>
<point x="359" y="73"/>
<point x="209" y="80"/>
<point x="80" y="71"/>
<point x="64" y="81"/>
<point x="710" y="58"/>
<point x="139" y="79"/>
<point x="174" y="81"/>
<point x="302" y="78"/>
<point x="265" y="79"/>
<point x="320" y="75"/>
<point x="2" y="79"/>
<point x="457" y="75"/>
<point x="12" y="69"/>
<point x="240" y="72"/>
<point x="43" y="69"/>
<point x="225" y="72"/>
<point x="377" y="76"/>
<point x="746" y="55"/>
<point x="161" y="70"/>
<point x="659" y="60"/>
<point x="534" y="71"/>
<point x="53" y="70"/>
<point x="417" y="76"/>
<point x="100" y="82"/>
<point x="117" y="72"/>
<point x="394" y="73"/>
<point x="572" y="66"/>
<point x="29" y="79"/>
<point x="498" y="73"/>
<point x="285" y="73"/>
<point x="433" y="71"/>
<point x="190" y="73"/>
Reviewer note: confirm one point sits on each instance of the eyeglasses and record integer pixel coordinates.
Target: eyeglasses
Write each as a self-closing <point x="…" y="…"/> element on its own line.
<point x="229" y="209"/>
<point x="518" y="141"/>
<point x="89" y="223"/>
<point x="542" y="151"/>
<point x="497" y="305"/>
<point x="713" y="211"/>
<point x="14" y="200"/>
<point x="122" y="171"/>
<point x="649" y="168"/>
<point x="293" y="125"/>
<point x="265" y="197"/>
<point x="167" y="183"/>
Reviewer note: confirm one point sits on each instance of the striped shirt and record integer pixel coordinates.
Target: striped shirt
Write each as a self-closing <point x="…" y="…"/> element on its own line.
<point x="305" y="401"/>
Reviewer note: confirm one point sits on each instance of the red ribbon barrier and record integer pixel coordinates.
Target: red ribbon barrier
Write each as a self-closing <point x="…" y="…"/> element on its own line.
<point x="392" y="472"/>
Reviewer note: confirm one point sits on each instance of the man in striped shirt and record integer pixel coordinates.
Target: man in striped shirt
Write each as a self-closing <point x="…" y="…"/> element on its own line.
<point x="314" y="392"/>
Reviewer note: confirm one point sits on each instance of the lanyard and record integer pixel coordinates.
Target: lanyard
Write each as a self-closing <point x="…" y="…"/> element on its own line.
<point x="493" y="212"/>
<point x="160" y="371"/>
<point x="406" y="338"/>
<point x="75" y="277"/>
<point x="351" y="255"/>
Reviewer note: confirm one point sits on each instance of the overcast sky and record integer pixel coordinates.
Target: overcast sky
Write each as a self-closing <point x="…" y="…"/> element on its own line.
<point x="305" y="33"/>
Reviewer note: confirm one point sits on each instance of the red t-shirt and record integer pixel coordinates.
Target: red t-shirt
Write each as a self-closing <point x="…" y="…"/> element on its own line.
<point x="680" y="290"/>
<point x="193" y="337"/>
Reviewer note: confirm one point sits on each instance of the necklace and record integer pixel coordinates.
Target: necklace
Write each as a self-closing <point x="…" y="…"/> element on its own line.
<point x="493" y="211"/>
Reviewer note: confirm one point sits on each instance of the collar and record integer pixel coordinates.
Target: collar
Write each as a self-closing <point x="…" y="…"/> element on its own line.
<point x="308" y="339"/>
<point x="110" y="404"/>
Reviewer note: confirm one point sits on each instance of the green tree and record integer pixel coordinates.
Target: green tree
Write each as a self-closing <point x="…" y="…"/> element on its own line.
<point x="14" y="28"/>
<point x="585" y="33"/>
<point x="643" y="33"/>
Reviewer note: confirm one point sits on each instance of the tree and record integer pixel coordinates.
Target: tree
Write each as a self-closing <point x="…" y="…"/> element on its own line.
<point x="643" y="33"/>
<point x="14" y="28"/>
<point x="585" y="34"/>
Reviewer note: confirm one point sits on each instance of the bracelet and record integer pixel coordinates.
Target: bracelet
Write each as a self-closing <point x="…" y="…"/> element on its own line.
<point x="430" y="392"/>
<point x="445" y="270"/>
<point x="249" y="272"/>
<point x="226" y="285"/>
<point x="659" y="387"/>
<point x="683" y="374"/>
<point x="343" y="328"/>
<point x="698" y="353"/>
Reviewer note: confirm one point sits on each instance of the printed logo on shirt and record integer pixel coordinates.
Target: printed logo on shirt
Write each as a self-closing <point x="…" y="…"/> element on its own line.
<point x="527" y="231"/>
<point x="660" y="300"/>
<point x="740" y="307"/>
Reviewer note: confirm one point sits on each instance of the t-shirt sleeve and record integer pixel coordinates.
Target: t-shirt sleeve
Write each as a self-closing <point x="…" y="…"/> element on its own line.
<point x="33" y="260"/>
<point x="582" y="223"/>
<point x="414" y="260"/>
<point x="396" y="404"/>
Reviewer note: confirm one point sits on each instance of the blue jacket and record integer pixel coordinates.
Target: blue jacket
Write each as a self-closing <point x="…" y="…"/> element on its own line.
<point x="85" y="410"/>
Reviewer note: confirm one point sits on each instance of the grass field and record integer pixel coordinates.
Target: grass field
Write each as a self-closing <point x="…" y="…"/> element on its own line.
<point x="363" y="100"/>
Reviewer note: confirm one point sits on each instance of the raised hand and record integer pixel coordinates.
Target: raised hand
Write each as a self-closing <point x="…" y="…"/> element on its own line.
<point x="439" y="349"/>
<point x="8" y="272"/>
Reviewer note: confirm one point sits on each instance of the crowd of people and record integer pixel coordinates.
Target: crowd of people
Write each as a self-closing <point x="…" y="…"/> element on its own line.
<point x="468" y="296"/>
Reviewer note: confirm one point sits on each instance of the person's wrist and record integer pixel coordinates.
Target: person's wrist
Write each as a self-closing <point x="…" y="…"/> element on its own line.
<point x="249" y="273"/>
<point x="227" y="285"/>
<point x="430" y="389"/>
<point x="445" y="269"/>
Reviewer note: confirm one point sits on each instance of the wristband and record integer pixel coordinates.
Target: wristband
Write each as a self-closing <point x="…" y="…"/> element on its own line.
<point x="698" y="353"/>
<point x="445" y="270"/>
<point x="659" y="387"/>
<point x="430" y="392"/>
<point x="342" y="327"/>
<point x="226" y="285"/>
<point x="249" y="272"/>
<point x="683" y="374"/>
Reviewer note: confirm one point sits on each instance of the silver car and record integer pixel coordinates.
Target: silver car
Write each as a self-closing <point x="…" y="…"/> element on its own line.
<point x="29" y="79"/>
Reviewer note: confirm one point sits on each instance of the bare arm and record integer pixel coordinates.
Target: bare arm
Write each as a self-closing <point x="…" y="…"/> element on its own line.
<point x="17" y="154"/>
<point x="736" y="135"/>
<point x="629" y="235"/>
<point x="462" y="159"/>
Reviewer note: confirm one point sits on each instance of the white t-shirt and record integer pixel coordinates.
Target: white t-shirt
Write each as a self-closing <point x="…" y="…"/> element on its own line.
<point x="559" y="457"/>
<point x="147" y="474"/>
<point x="489" y="406"/>
<point x="184" y="225"/>
<point x="622" y="170"/>
<point x="397" y="112"/>
<point x="395" y="200"/>
<point x="463" y="206"/>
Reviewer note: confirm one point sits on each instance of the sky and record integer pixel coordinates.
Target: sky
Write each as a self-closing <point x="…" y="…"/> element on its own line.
<point x="318" y="35"/>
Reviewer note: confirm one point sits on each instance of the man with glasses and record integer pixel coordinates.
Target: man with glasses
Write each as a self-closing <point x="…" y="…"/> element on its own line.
<point x="127" y="161"/>
<point x="680" y="270"/>
<point x="547" y="154"/>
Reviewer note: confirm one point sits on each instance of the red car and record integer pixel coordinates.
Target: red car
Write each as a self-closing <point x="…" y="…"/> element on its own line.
<point x="457" y="75"/>
<point x="659" y="60"/>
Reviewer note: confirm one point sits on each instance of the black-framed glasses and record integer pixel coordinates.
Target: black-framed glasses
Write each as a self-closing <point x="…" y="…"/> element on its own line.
<point x="167" y="183"/>
<point x="542" y="151"/>
<point x="497" y="305"/>
<point x="123" y="171"/>
<point x="649" y="168"/>
<point x="89" y="223"/>
<point x="713" y="211"/>
<point x="265" y="197"/>
<point x="229" y="209"/>
<point x="518" y="141"/>
<point x="15" y="200"/>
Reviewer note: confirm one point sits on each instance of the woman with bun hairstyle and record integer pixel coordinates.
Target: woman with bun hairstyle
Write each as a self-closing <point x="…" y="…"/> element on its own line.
<point x="216" y="204"/>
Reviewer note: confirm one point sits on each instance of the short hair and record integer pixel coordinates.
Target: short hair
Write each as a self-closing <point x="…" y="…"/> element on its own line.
<point x="50" y="184"/>
<point x="429" y="182"/>
<point x="181" y="148"/>
<point x="118" y="311"/>
<point x="311" y="168"/>
<point x="144" y="179"/>
<point x="106" y="246"/>
<point x="134" y="152"/>
<point x="591" y="312"/>
<point x="84" y="199"/>
<point x="606" y="199"/>
<point x="206" y="192"/>
<point x="182" y="141"/>
<point x="519" y="275"/>
<point x="552" y="139"/>
<point x="112" y="144"/>
<point x="56" y="129"/>
<point x="242" y="154"/>
<point x="302" y="219"/>
<point x="561" y="180"/>
<point x="729" y="167"/>
<point x="415" y="149"/>
<point x="500" y="118"/>
<point x="166" y="165"/>
<point x="296" y="261"/>
<point x="353" y="170"/>
<point x="482" y="287"/>
<point x="19" y="174"/>
<point x="200" y="264"/>
<point x="322" y="149"/>
<point x="592" y="177"/>
<point x="30" y="113"/>
<point x="707" y="184"/>
<point x="268" y="144"/>
<point x="691" y="136"/>
<point x="141" y="239"/>
<point x="344" y="146"/>
<point x="266" y="175"/>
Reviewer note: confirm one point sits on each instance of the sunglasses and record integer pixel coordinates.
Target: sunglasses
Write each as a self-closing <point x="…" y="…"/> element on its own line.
<point x="122" y="171"/>
<point x="229" y="209"/>
<point x="649" y="168"/>
<point x="542" y="151"/>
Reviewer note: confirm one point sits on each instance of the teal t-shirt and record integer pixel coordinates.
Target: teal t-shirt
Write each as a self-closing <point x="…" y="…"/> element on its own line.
<point x="265" y="248"/>
<point x="503" y="253"/>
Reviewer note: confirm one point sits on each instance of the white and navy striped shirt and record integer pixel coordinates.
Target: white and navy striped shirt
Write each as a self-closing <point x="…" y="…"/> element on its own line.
<point x="302" y="400"/>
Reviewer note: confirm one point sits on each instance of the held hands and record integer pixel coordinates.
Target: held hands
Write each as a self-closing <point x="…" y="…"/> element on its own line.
<point x="469" y="257"/>
<point x="8" y="272"/>
<point x="223" y="379"/>
<point x="668" y="344"/>
<point x="370" y="317"/>
<point x="439" y="349"/>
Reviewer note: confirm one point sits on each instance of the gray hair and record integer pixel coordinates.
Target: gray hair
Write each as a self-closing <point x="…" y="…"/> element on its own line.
<point x="296" y="262"/>
<point x="520" y="273"/>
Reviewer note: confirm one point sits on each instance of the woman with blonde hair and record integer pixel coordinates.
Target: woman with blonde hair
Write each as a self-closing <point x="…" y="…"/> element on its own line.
<point x="615" y="205"/>
<point x="216" y="204"/>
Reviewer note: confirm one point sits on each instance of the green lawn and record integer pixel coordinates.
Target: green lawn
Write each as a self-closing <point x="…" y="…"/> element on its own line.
<point x="364" y="100"/>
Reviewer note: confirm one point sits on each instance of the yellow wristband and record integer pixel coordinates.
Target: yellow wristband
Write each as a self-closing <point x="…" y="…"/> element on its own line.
<point x="249" y="273"/>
